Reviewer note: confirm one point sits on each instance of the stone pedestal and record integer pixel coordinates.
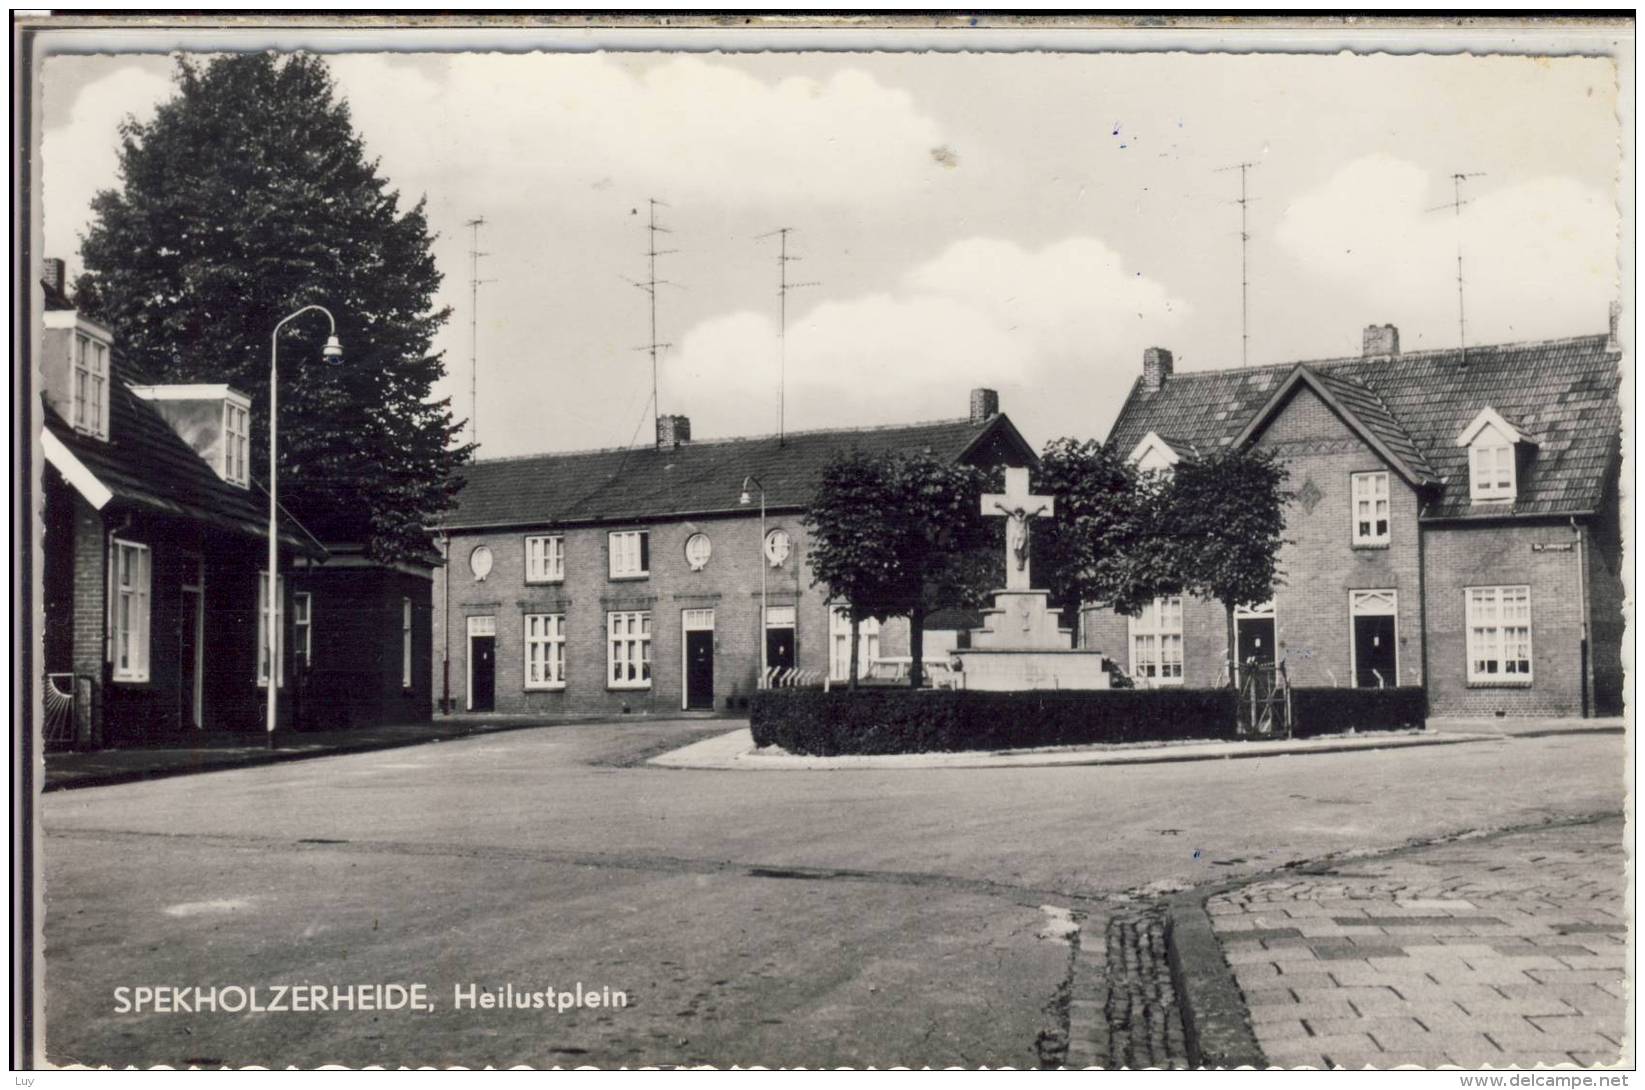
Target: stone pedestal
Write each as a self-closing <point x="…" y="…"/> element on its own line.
<point x="1023" y="645"/>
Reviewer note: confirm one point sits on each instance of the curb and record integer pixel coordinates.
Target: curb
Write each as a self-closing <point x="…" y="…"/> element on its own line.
<point x="1215" y="1020"/>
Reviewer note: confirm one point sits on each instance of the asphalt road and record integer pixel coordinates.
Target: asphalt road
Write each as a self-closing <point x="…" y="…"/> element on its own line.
<point x="776" y="918"/>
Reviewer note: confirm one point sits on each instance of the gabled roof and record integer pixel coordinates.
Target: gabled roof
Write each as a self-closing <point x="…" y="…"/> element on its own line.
<point x="1175" y="450"/>
<point x="145" y="464"/>
<point x="703" y="477"/>
<point x="1361" y="409"/>
<point x="1562" y="391"/>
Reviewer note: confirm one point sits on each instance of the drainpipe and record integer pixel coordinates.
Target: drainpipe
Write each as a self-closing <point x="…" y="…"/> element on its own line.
<point x="1582" y="599"/>
<point x="445" y="624"/>
<point x="1422" y="604"/>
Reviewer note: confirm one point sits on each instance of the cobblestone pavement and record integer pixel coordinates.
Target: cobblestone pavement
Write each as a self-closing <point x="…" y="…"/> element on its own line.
<point x="1497" y="951"/>
<point x="1124" y="1012"/>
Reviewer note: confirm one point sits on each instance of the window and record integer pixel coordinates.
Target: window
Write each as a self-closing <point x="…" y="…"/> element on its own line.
<point x="302" y="632"/>
<point x="1499" y="635"/>
<point x="1491" y="459"/>
<point x="129" y="627"/>
<point x="1370" y="499"/>
<point x="628" y="651"/>
<point x="262" y="629"/>
<point x="630" y="553"/>
<point x="405" y="642"/>
<point x="1156" y="642"/>
<point x="839" y="644"/>
<point x="236" y="443"/>
<point x="545" y="650"/>
<point x="545" y="559"/>
<point x="91" y="396"/>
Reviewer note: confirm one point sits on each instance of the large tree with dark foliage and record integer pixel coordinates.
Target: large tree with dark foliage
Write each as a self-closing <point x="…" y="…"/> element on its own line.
<point x="248" y="196"/>
<point x="901" y="535"/>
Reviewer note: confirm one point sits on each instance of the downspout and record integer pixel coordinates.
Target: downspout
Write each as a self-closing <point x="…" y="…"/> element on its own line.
<point x="1422" y="600"/>
<point x="1583" y="656"/>
<point x="445" y="623"/>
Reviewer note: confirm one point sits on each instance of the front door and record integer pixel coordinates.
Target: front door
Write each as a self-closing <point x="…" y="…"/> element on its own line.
<point x="482" y="665"/>
<point x="192" y="649"/>
<point x="699" y="669"/>
<point x="1374" y="663"/>
<point x="779" y="648"/>
<point x="1254" y="639"/>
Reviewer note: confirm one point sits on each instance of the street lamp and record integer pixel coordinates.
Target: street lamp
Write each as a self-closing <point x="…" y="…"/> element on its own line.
<point x="333" y="350"/>
<point x="745" y="499"/>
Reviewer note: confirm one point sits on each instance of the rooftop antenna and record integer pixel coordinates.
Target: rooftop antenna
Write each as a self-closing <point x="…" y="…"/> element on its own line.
<point x="649" y="286"/>
<point x="474" y="282"/>
<point x="1455" y="204"/>
<point x="784" y="286"/>
<point x="1244" y="267"/>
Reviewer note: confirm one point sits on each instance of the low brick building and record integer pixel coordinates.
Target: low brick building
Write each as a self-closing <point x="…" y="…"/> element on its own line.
<point x="631" y="580"/>
<point x="1454" y="523"/>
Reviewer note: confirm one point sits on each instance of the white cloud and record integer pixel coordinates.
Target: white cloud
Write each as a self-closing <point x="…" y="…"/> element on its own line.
<point x="1539" y="256"/>
<point x="83" y="156"/>
<point x="1070" y="317"/>
<point x="687" y="126"/>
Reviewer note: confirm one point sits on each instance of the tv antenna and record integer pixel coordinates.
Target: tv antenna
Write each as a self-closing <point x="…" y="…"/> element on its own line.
<point x="1455" y="204"/>
<point x="474" y="282"/>
<point x="1244" y="266"/>
<point x="649" y="285"/>
<point x="784" y="286"/>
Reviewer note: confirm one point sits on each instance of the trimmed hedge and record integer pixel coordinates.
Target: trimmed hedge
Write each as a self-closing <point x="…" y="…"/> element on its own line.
<point x="880" y="721"/>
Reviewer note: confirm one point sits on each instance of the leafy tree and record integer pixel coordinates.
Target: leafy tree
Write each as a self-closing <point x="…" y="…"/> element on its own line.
<point x="248" y="196"/>
<point x="1104" y="544"/>
<point x="1224" y="517"/>
<point x="901" y="535"/>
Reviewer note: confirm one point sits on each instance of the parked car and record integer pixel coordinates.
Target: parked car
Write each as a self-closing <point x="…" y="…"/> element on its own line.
<point x="890" y="670"/>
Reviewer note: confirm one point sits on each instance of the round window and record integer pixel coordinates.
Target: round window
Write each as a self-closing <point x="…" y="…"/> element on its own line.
<point x="777" y="546"/>
<point x="479" y="562"/>
<point x="697" y="551"/>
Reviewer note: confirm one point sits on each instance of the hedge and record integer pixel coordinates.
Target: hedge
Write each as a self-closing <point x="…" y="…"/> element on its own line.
<point x="879" y="721"/>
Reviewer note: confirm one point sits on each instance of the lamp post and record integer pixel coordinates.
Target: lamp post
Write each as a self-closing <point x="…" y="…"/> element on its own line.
<point x="271" y="627"/>
<point x="745" y="499"/>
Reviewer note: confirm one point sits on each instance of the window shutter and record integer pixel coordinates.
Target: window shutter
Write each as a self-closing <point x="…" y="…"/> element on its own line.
<point x="645" y="550"/>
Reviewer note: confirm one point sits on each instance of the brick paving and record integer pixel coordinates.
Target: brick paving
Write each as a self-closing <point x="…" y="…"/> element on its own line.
<point x="1498" y="951"/>
<point x="1125" y="1011"/>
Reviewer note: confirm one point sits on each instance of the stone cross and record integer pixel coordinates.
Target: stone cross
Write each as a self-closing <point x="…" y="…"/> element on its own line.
<point x="1017" y="506"/>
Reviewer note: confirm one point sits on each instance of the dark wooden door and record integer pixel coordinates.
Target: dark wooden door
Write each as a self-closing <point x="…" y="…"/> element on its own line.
<point x="779" y="648"/>
<point x="1255" y="640"/>
<point x="1375" y="665"/>
<point x="482" y="673"/>
<point x="699" y="669"/>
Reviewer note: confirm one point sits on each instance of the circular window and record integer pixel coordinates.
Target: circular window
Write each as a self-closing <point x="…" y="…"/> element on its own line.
<point x="777" y="546"/>
<point x="697" y="551"/>
<point x="479" y="562"/>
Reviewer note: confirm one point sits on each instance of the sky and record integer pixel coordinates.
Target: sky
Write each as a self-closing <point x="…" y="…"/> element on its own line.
<point x="1027" y="222"/>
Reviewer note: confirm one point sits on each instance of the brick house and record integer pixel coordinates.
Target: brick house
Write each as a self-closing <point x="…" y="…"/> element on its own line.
<point x="1454" y="523"/>
<point x="154" y="548"/>
<point x="630" y="580"/>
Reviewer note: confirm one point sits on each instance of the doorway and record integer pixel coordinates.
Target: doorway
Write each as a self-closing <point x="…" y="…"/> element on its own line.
<point x="779" y="638"/>
<point x="1375" y="638"/>
<point x="192" y="645"/>
<point x="1254" y="636"/>
<point x="482" y="664"/>
<point x="698" y="626"/>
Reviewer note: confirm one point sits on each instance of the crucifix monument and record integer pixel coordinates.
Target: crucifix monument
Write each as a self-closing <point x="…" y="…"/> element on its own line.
<point x="1022" y="644"/>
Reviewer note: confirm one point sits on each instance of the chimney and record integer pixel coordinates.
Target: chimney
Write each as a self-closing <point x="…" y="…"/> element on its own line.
<point x="55" y="275"/>
<point x="1611" y="343"/>
<point x="1381" y="340"/>
<point x="673" y="430"/>
<point x="985" y="405"/>
<point x="1156" y="367"/>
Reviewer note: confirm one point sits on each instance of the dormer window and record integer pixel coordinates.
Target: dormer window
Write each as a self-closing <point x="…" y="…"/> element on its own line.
<point x="91" y="386"/>
<point x="1154" y="455"/>
<point x="236" y="443"/>
<point x="1493" y="456"/>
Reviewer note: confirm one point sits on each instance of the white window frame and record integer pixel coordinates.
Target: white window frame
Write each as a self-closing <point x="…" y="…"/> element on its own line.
<point x="628" y="649"/>
<point x="628" y="553"/>
<point x="405" y="643"/>
<point x="236" y="443"/>
<point x="302" y="626"/>
<point x="130" y="586"/>
<point x="544" y="634"/>
<point x="262" y="629"/>
<point x="839" y="643"/>
<point x="90" y="385"/>
<point x="1150" y="634"/>
<point x="1489" y="630"/>
<point x="478" y="626"/>
<point x="545" y="558"/>
<point x="1366" y="491"/>
<point x="1493" y="469"/>
<point x="691" y="620"/>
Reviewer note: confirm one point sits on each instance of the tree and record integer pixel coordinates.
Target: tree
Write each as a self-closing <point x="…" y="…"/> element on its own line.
<point x="1104" y="545"/>
<point x="246" y="197"/>
<point x="1224" y="517"/>
<point x="899" y="535"/>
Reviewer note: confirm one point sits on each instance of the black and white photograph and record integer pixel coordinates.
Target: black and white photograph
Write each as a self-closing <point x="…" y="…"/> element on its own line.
<point x="916" y="541"/>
